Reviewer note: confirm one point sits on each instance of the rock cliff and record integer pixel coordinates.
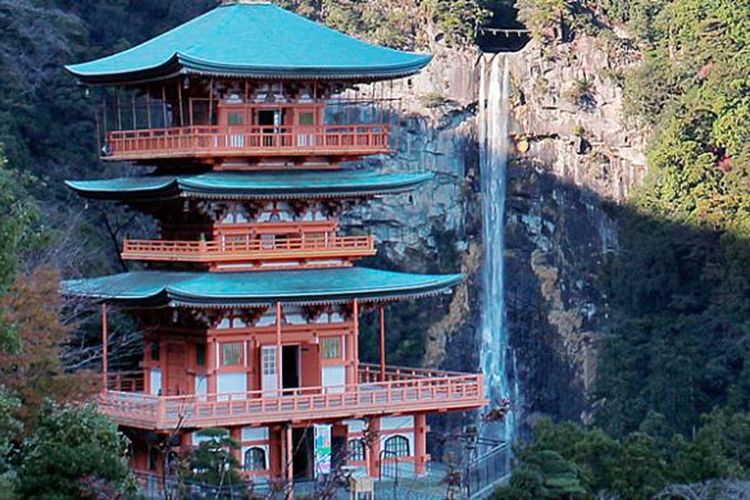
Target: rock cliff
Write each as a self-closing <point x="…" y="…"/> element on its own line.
<point x="573" y="156"/>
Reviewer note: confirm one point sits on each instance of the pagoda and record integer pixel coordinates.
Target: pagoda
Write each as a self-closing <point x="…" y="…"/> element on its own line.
<point x="249" y="300"/>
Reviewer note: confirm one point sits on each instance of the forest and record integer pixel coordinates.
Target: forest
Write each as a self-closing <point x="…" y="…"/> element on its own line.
<point x="673" y="392"/>
<point x="672" y="389"/>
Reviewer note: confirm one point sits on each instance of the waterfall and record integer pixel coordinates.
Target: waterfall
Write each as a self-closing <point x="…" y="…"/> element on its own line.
<point x="493" y="157"/>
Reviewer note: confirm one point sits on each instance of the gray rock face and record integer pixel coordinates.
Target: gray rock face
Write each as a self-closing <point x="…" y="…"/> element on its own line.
<point x="574" y="155"/>
<point x="434" y="131"/>
<point x="568" y="111"/>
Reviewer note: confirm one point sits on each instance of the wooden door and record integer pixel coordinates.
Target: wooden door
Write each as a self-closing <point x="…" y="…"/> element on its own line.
<point x="176" y="376"/>
<point x="310" y="365"/>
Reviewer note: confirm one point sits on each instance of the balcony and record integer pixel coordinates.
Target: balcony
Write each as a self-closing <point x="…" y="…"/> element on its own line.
<point x="247" y="249"/>
<point x="403" y="390"/>
<point x="212" y="141"/>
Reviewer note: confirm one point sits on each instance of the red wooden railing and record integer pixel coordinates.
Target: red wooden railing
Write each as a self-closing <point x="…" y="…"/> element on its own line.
<point x="249" y="249"/>
<point x="266" y="140"/>
<point x="369" y="373"/>
<point x="426" y="391"/>
<point x="125" y="381"/>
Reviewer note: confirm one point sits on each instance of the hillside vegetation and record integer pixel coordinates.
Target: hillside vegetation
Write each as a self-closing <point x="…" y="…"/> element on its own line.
<point x="674" y="376"/>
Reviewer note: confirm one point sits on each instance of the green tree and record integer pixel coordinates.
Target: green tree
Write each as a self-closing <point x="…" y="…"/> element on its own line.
<point x="678" y="289"/>
<point x="212" y="462"/>
<point x="641" y="469"/>
<point x="721" y="448"/>
<point x="19" y="217"/>
<point x="71" y="446"/>
<point x="543" y="474"/>
<point x="10" y="432"/>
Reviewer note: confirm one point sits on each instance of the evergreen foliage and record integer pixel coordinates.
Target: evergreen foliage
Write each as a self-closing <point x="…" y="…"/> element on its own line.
<point x="70" y="445"/>
<point x="568" y="461"/>
<point x="397" y="23"/>
<point x="19" y="217"/>
<point x="212" y="462"/>
<point x="679" y="287"/>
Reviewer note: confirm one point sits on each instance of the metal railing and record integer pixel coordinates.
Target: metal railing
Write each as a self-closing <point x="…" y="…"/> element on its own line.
<point x="247" y="140"/>
<point x="248" y="248"/>
<point x="488" y="471"/>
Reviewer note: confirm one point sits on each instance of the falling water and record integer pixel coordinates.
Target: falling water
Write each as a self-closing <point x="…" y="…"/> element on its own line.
<point x="493" y="157"/>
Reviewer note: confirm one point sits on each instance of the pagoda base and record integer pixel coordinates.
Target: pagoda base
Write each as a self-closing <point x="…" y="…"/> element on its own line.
<point x="382" y="447"/>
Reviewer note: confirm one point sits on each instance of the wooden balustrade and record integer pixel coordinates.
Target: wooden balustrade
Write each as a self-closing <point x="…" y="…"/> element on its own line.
<point x="131" y="381"/>
<point x="176" y="142"/>
<point x="371" y="373"/>
<point x="426" y="390"/>
<point x="249" y="249"/>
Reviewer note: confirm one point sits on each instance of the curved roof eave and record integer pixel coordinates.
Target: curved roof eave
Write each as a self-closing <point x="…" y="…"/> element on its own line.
<point x="168" y="69"/>
<point x="181" y="64"/>
<point x="250" y="185"/>
<point x="253" y="40"/>
<point x="169" y="188"/>
<point x="253" y="288"/>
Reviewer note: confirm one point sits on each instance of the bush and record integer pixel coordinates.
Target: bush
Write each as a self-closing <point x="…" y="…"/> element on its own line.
<point x="72" y="447"/>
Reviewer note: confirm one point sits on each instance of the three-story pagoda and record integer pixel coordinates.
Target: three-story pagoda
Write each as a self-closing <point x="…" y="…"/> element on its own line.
<point x="249" y="300"/>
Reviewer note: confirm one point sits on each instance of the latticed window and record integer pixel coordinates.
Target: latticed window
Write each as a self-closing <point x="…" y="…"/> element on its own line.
<point x="397" y="446"/>
<point x="255" y="458"/>
<point x="356" y="450"/>
<point x="331" y="347"/>
<point x="231" y="353"/>
<point x="269" y="361"/>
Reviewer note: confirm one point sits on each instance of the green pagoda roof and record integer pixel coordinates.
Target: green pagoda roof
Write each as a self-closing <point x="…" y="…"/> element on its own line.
<point x="251" y="185"/>
<point x="254" y="40"/>
<point x="201" y="289"/>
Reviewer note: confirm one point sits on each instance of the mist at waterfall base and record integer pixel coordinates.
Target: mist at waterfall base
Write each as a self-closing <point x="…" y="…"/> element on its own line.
<point x="493" y="157"/>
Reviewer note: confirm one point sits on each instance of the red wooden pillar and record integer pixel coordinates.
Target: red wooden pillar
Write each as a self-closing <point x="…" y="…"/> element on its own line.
<point x="147" y="364"/>
<point x="355" y="342"/>
<point x="186" y="441"/>
<point x="276" y="448"/>
<point x="104" y="346"/>
<point x="211" y="368"/>
<point x="373" y="451"/>
<point x="289" y="461"/>
<point x="236" y="434"/>
<point x="420" y="444"/>
<point x="349" y="357"/>
<point x="278" y="347"/>
<point x="382" y="343"/>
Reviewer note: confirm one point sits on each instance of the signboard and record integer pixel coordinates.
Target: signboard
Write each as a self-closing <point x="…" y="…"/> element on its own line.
<point x="322" y="449"/>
